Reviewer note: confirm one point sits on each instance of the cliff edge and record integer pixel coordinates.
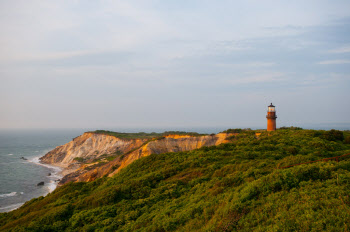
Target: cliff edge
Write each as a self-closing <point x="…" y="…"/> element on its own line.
<point x="93" y="155"/>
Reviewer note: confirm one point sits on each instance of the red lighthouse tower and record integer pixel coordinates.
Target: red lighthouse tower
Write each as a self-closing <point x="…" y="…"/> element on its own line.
<point x="271" y="118"/>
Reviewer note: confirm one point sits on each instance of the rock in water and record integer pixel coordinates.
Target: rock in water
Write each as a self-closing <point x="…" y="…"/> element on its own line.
<point x="49" y="174"/>
<point x="40" y="183"/>
<point x="23" y="158"/>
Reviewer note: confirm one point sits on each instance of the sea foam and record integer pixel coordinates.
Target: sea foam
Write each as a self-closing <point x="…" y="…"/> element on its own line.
<point x="10" y="207"/>
<point x="8" y="194"/>
<point x="54" y="173"/>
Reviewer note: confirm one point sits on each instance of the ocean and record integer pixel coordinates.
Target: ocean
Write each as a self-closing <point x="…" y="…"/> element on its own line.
<point x="19" y="176"/>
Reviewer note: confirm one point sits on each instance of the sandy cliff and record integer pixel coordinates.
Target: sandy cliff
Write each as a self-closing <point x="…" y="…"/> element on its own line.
<point x="90" y="146"/>
<point x="86" y="148"/>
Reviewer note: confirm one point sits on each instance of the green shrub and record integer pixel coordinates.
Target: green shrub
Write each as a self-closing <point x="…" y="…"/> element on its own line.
<point x="79" y="159"/>
<point x="334" y="135"/>
<point x="347" y="140"/>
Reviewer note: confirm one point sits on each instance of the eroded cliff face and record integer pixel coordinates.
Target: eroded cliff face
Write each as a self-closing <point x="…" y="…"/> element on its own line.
<point x="171" y="143"/>
<point x="85" y="149"/>
<point x="91" y="146"/>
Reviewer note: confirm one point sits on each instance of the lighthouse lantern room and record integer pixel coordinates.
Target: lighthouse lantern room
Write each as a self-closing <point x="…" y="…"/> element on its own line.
<point x="271" y="108"/>
<point x="271" y="118"/>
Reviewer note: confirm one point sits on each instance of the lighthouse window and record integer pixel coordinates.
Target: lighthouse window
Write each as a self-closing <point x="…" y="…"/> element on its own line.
<point x="271" y="109"/>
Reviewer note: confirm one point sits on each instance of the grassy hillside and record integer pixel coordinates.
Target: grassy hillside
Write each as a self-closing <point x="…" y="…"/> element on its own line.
<point x="231" y="187"/>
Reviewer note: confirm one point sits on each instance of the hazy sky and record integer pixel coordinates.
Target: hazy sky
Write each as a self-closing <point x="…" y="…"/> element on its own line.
<point x="157" y="63"/>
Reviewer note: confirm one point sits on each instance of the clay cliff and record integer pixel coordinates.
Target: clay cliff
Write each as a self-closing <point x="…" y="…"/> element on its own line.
<point x="91" y="155"/>
<point x="87" y="148"/>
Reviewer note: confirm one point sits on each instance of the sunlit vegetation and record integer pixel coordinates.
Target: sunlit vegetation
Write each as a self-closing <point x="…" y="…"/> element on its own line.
<point x="79" y="159"/>
<point x="143" y="135"/>
<point x="290" y="128"/>
<point x="237" y="130"/>
<point x="236" y="186"/>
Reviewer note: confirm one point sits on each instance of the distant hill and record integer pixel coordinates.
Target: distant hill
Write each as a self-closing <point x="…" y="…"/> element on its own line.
<point x="236" y="186"/>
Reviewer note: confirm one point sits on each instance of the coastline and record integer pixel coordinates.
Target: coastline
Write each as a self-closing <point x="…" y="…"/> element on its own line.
<point x="55" y="174"/>
<point x="12" y="207"/>
<point x="20" y="176"/>
<point x="48" y="186"/>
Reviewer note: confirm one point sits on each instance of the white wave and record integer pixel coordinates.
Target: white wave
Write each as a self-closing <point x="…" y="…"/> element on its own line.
<point x="8" y="194"/>
<point x="10" y="207"/>
<point x="10" y="154"/>
<point x="54" y="173"/>
<point x="51" y="186"/>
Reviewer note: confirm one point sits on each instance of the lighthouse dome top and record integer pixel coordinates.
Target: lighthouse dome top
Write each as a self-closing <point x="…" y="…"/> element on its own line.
<point x="271" y="105"/>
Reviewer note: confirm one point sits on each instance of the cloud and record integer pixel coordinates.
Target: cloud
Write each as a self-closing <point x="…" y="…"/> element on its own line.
<point x="254" y="64"/>
<point x="345" y="49"/>
<point x="98" y="58"/>
<point x="266" y="77"/>
<point x="339" y="76"/>
<point x="330" y="62"/>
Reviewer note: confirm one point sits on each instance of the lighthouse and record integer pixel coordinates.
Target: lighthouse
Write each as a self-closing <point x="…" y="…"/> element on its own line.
<point x="271" y="118"/>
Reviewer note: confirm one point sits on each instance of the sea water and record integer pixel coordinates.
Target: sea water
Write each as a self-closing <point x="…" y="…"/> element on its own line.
<point x="19" y="176"/>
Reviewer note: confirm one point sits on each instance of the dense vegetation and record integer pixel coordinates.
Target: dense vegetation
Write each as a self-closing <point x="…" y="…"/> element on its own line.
<point x="231" y="187"/>
<point x="144" y="135"/>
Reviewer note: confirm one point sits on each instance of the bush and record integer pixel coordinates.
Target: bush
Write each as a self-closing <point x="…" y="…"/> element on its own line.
<point x="290" y="128"/>
<point x="347" y="140"/>
<point x="237" y="130"/>
<point x="333" y="135"/>
<point x="79" y="159"/>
